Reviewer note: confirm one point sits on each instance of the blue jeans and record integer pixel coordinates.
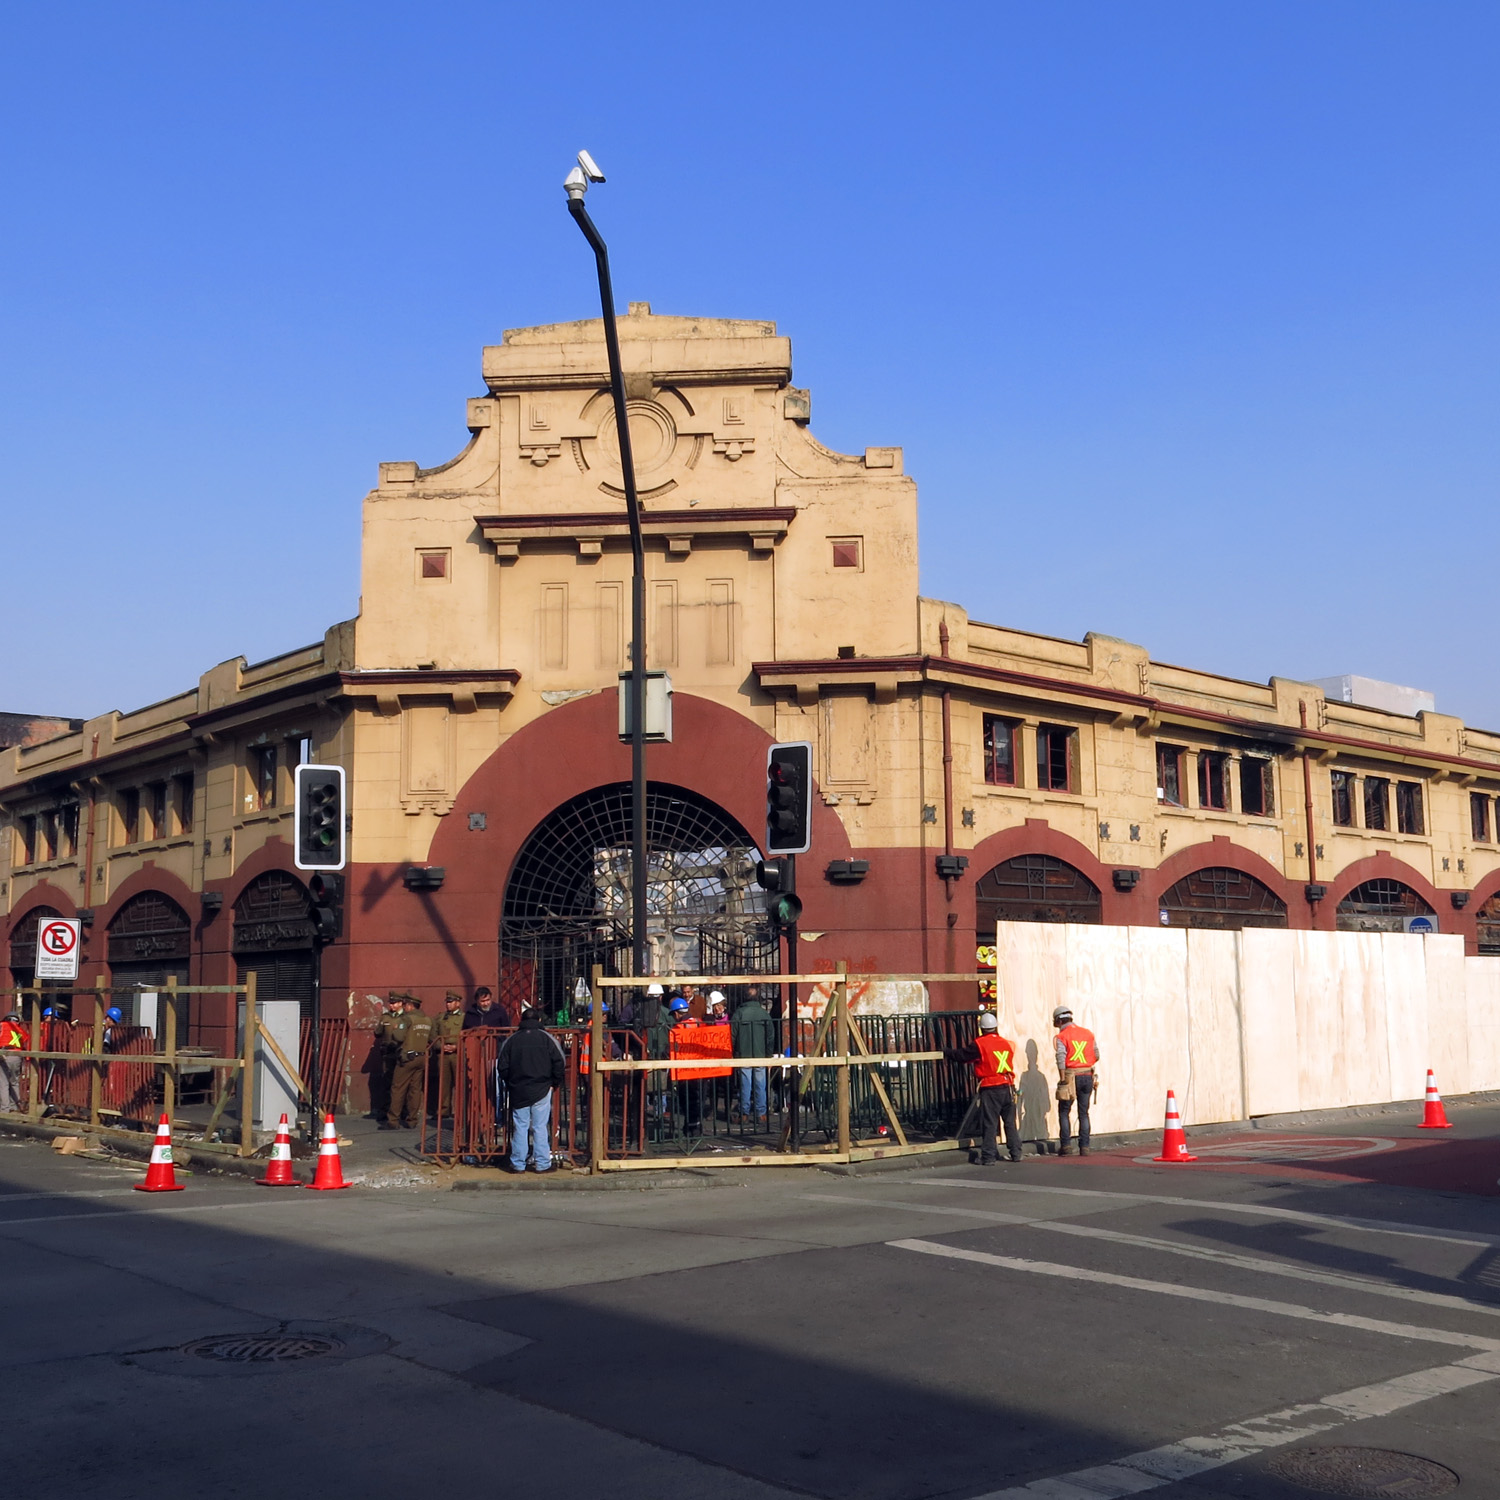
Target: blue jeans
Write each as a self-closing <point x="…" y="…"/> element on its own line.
<point x="752" y="1078"/>
<point x="529" y="1128"/>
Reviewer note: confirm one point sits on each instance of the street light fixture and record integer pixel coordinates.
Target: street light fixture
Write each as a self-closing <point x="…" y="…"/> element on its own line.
<point x="576" y="184"/>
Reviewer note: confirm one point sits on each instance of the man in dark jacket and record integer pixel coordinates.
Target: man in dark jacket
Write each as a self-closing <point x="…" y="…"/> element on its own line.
<point x="484" y="1011"/>
<point x="752" y="1034"/>
<point x="531" y="1065"/>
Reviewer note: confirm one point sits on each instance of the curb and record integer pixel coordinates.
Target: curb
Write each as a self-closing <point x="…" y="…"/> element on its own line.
<point x="191" y="1155"/>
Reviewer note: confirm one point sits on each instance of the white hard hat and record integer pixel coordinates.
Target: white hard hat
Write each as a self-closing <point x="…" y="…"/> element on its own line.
<point x="716" y="997"/>
<point x="989" y="1022"/>
<point x="654" y="989"/>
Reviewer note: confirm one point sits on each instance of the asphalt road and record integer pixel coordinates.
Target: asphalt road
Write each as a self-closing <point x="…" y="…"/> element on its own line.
<point x="1060" y="1329"/>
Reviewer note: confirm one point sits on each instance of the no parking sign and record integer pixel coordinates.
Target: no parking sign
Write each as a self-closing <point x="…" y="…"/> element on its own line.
<point x="57" y="948"/>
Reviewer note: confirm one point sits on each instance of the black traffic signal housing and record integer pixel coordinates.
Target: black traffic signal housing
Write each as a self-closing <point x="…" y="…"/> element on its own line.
<point x="327" y="910"/>
<point x="778" y="877"/>
<point x="789" y="798"/>
<point x="318" y="834"/>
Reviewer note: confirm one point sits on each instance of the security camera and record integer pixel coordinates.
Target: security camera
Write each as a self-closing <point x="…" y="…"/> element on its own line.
<point x="575" y="184"/>
<point x="590" y="167"/>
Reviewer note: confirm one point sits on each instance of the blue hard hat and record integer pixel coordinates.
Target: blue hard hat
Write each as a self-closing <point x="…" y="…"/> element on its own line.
<point x="678" y="1004"/>
<point x="114" y="1013"/>
<point x="47" y="1014"/>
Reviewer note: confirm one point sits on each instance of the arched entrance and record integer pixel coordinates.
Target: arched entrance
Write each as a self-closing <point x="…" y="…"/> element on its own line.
<point x="1224" y="898"/>
<point x="23" y="950"/>
<point x="567" y="899"/>
<point x="273" y="938"/>
<point x="150" y="941"/>
<point x="1034" y="888"/>
<point x="1381" y="906"/>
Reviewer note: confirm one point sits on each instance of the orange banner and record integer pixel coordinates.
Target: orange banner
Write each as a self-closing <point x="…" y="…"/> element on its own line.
<point x="699" y="1041"/>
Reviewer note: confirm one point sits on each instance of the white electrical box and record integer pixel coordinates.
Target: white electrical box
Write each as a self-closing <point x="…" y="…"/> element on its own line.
<point x="658" y="708"/>
<point x="275" y="1092"/>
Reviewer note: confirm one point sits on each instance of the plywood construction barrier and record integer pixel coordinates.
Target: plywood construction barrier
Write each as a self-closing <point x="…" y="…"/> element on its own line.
<point x="1247" y="1023"/>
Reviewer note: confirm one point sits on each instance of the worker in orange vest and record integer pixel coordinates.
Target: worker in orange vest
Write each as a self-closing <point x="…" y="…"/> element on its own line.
<point x="993" y="1058"/>
<point x="13" y="1039"/>
<point x="1077" y="1056"/>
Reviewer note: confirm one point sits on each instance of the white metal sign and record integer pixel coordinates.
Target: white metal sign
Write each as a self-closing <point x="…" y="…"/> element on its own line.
<point x="57" y="948"/>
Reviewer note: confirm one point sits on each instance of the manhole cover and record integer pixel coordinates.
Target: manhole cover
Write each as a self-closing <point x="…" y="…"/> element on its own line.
<point x="262" y="1348"/>
<point x="1364" y="1473"/>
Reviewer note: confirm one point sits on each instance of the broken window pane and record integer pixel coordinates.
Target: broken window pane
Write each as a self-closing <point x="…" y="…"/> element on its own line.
<point x="1343" y="798"/>
<point x="1257" y="787"/>
<point x="999" y="751"/>
<point x="1377" y="803"/>
<point x="1479" y="817"/>
<point x="1213" y="781"/>
<point x="1169" y="775"/>
<point x="1409" y="807"/>
<point x="1054" y="758"/>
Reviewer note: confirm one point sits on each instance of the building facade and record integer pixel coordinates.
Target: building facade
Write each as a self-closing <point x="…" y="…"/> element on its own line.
<point x="967" y="773"/>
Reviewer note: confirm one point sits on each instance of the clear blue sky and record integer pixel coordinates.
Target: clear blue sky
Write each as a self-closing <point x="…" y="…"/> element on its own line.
<point x="1185" y="313"/>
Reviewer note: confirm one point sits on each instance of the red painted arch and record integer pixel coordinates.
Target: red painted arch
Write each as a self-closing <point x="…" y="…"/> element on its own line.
<point x="1383" y="866"/>
<point x="161" y="882"/>
<point x="1222" y="851"/>
<point x="715" y="752"/>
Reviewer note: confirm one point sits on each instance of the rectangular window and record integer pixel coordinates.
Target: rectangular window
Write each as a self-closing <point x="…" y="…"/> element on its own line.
<point x="302" y="750"/>
<point x="182" y="797"/>
<point x="1343" y="798"/>
<point x="47" y="835"/>
<point x="1054" y="758"/>
<point x="1000" y="750"/>
<point x="1257" y="787"/>
<point x="1213" y="780"/>
<point x="1409" y="817"/>
<point x="27" y="830"/>
<point x="263" y="770"/>
<point x="1377" y="803"/>
<point x="156" y="803"/>
<point x="1479" y="817"/>
<point x="1169" y="778"/>
<point x="67" y="820"/>
<point x="130" y="816"/>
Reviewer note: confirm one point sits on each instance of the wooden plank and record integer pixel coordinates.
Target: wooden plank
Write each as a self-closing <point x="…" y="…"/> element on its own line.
<point x="665" y="1163"/>
<point x="650" y="1065"/>
<point x="247" y="1071"/>
<point x="877" y="1082"/>
<point x="622" y="983"/>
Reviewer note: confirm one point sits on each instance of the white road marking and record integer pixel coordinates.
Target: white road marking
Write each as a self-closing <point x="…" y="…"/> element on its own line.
<point x="147" y="1211"/>
<point x="1138" y="1472"/>
<point x="1254" y="1210"/>
<point x="1203" y="1294"/>
<point x="1192" y="1252"/>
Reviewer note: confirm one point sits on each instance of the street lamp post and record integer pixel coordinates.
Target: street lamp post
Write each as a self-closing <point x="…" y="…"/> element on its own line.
<point x="576" y="185"/>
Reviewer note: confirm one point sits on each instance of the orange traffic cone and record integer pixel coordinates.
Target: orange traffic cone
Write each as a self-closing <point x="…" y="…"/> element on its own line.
<point x="1173" y="1139"/>
<point x="330" y="1173"/>
<point x="160" y="1177"/>
<point x="279" y="1167"/>
<point x="1433" y="1117"/>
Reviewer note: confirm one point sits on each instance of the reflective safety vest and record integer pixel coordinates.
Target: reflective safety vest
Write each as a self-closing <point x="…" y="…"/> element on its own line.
<point x="1080" y="1052"/>
<point x="12" y="1035"/>
<point x="994" y="1065"/>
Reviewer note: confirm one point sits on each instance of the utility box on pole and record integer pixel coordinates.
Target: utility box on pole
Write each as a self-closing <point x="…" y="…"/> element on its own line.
<point x="275" y="1091"/>
<point x="658" y="708"/>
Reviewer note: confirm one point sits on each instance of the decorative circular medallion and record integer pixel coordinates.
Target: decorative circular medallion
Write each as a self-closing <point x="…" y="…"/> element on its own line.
<point x="653" y="436"/>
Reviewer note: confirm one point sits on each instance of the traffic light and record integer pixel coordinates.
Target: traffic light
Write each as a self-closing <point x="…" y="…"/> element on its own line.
<point x="789" y="798"/>
<point x="327" y="912"/>
<point x="318" y="832"/>
<point x="779" y="878"/>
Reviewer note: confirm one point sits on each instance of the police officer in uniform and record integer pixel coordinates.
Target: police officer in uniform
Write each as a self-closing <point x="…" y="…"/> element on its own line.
<point x="387" y="1036"/>
<point x="1077" y="1056"/>
<point x="414" y="1048"/>
<point x="992" y="1057"/>
<point x="446" y="1033"/>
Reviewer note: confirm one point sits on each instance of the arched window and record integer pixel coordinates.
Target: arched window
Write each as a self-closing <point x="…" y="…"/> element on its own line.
<point x="23" y="943"/>
<point x="273" y="938"/>
<point x="1034" y="888"/>
<point x="567" y="899"/>
<point x="1380" y="906"/>
<point x="151" y="930"/>
<point x="1487" y="919"/>
<point x="1223" y="898"/>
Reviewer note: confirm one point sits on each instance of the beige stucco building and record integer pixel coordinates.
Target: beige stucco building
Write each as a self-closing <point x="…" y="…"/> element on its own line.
<point x="966" y="771"/>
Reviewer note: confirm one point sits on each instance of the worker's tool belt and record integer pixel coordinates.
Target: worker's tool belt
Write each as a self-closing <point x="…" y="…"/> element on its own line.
<point x="1066" y="1091"/>
<point x="411" y="1056"/>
